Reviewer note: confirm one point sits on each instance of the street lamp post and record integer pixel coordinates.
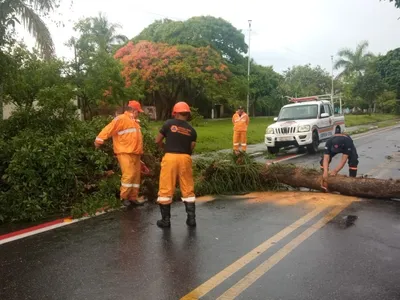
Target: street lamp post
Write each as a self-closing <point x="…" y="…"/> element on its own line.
<point x="248" y="72"/>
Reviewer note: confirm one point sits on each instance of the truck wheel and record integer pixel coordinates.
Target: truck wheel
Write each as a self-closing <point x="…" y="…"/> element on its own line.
<point x="337" y="130"/>
<point x="313" y="147"/>
<point x="273" y="150"/>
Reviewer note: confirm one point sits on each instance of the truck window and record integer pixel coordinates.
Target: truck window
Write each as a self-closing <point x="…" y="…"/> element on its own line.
<point x="328" y="109"/>
<point x="300" y="112"/>
<point x="331" y="110"/>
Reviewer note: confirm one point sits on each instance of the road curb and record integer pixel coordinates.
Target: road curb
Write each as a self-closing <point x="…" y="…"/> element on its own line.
<point x="256" y="154"/>
<point x="19" y="234"/>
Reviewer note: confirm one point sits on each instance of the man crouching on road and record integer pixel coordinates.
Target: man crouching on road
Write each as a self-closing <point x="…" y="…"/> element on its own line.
<point x="180" y="140"/>
<point x="339" y="143"/>
<point x="128" y="147"/>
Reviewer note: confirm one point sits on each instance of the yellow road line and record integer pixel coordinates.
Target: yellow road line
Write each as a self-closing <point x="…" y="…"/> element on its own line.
<point x="250" y="278"/>
<point x="217" y="279"/>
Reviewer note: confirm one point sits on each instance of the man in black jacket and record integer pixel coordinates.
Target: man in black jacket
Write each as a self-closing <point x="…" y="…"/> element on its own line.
<point x="339" y="143"/>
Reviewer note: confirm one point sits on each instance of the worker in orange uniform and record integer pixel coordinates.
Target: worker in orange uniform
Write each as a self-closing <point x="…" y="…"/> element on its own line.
<point x="180" y="140"/>
<point x="128" y="147"/>
<point x="240" y="122"/>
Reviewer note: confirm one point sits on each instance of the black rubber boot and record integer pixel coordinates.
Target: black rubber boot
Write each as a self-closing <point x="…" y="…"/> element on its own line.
<point x="352" y="173"/>
<point x="191" y="214"/>
<point x="165" y="216"/>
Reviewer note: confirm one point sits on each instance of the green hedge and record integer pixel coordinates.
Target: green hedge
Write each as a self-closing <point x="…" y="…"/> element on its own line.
<point x="49" y="166"/>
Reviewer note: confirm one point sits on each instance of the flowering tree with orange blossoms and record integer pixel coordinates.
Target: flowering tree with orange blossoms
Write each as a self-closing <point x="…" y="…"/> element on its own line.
<point x="166" y="71"/>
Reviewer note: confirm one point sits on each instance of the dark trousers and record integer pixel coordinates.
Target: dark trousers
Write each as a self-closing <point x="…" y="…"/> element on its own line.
<point x="352" y="161"/>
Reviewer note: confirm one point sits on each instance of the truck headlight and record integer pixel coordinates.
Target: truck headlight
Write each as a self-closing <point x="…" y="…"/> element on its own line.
<point x="270" y="131"/>
<point x="304" y="128"/>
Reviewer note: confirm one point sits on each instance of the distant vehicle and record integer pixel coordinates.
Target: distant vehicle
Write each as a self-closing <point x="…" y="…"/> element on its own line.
<point x="305" y="122"/>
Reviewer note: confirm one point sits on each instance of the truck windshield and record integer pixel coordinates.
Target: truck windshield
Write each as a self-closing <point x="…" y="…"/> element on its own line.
<point x="299" y="112"/>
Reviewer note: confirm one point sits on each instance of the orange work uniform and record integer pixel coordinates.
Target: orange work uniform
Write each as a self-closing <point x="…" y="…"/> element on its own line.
<point x="128" y="147"/>
<point x="240" y="124"/>
<point x="177" y="162"/>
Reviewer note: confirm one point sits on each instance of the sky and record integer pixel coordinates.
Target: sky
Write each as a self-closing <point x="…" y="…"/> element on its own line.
<point x="284" y="32"/>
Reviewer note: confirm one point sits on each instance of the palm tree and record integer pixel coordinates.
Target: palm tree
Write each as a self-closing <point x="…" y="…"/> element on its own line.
<point x="28" y="13"/>
<point x="100" y="32"/>
<point x="354" y="62"/>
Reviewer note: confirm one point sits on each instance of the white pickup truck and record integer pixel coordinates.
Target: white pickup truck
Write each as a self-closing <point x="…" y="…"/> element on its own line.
<point x="306" y="122"/>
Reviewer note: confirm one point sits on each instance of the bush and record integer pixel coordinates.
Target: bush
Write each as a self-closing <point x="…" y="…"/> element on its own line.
<point x="49" y="166"/>
<point x="48" y="174"/>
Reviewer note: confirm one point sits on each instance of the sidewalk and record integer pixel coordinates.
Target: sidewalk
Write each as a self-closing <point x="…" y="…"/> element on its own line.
<point x="255" y="149"/>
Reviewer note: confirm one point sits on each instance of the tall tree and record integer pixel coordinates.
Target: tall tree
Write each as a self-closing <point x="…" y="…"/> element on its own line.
<point x="369" y="87"/>
<point x="29" y="13"/>
<point x="354" y="62"/>
<point x="264" y="82"/>
<point x="302" y="81"/>
<point x="167" y="71"/>
<point x="199" y="32"/>
<point x="99" y="34"/>
<point x="95" y="72"/>
<point x="388" y="66"/>
<point x="28" y="74"/>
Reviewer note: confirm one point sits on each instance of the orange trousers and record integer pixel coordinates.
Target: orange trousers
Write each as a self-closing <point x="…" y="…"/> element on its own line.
<point x="130" y="179"/>
<point x="176" y="167"/>
<point x="240" y="139"/>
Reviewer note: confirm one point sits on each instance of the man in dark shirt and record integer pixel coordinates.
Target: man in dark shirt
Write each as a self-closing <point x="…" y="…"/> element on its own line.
<point x="180" y="140"/>
<point x="339" y="143"/>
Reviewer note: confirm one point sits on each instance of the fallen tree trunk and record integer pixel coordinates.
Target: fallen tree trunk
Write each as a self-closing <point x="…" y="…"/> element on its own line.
<point x="310" y="178"/>
<point x="241" y="174"/>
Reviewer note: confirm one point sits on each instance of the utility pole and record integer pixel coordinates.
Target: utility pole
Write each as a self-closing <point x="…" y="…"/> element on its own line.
<point x="332" y="87"/>
<point x="248" y="73"/>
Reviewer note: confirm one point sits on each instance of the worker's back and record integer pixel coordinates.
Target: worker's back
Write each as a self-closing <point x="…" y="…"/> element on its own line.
<point x="126" y="134"/>
<point x="179" y="136"/>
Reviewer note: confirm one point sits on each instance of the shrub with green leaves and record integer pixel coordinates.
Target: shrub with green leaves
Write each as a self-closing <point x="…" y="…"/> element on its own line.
<point x="49" y="166"/>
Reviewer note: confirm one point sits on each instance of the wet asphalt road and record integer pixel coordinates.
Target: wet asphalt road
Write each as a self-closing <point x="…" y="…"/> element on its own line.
<point x="123" y="255"/>
<point x="379" y="154"/>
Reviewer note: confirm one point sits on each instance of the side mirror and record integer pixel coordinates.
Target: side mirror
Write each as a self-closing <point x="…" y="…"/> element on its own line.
<point x="275" y="119"/>
<point x="324" y="115"/>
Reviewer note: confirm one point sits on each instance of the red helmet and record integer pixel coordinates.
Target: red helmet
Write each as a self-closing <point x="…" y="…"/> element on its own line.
<point x="180" y="107"/>
<point x="136" y="105"/>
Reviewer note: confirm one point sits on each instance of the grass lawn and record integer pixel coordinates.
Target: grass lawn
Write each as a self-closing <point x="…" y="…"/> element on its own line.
<point x="354" y="120"/>
<point x="216" y="135"/>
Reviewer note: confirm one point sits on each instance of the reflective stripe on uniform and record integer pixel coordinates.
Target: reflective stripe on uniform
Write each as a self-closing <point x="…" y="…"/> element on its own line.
<point x="353" y="168"/>
<point x="244" y="144"/>
<point x="129" y="130"/>
<point x="189" y="199"/>
<point x="135" y="185"/>
<point x="164" y="199"/>
<point x="128" y="185"/>
<point x="236" y="144"/>
<point x="99" y="140"/>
